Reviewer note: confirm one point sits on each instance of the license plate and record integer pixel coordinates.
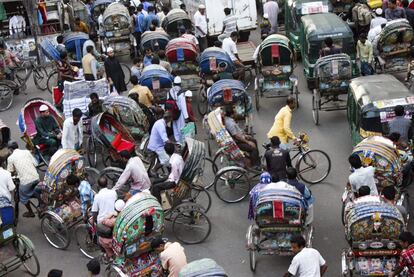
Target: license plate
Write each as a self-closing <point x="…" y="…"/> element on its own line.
<point x="8" y="233"/>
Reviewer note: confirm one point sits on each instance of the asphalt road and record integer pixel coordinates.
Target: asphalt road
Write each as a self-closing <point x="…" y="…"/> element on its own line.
<point x="226" y="243"/>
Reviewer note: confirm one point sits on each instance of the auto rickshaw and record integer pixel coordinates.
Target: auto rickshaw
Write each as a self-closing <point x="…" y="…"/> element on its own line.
<point x="315" y="29"/>
<point x="294" y="10"/>
<point x="371" y="103"/>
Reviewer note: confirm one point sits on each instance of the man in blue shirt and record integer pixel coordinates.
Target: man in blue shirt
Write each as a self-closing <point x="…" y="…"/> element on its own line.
<point x="139" y="21"/>
<point x="146" y="5"/>
<point x="151" y="18"/>
<point x="306" y="193"/>
<point x="159" y="137"/>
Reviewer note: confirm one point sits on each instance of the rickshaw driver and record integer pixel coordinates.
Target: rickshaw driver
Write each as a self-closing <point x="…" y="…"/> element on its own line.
<point x="7" y="61"/>
<point x="48" y="131"/>
<point x="361" y="176"/>
<point x="229" y="45"/>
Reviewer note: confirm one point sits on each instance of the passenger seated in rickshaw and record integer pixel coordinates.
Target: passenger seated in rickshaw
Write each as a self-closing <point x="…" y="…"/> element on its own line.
<point x="245" y="142"/>
<point x="362" y="195"/>
<point x="406" y="157"/>
<point x="388" y="195"/>
<point x="161" y="133"/>
<point x="6" y="186"/>
<point x="277" y="160"/>
<point x="86" y="194"/>
<point x="48" y="132"/>
<point x="401" y="125"/>
<point x="134" y="171"/>
<point x="330" y="48"/>
<point x="361" y="176"/>
<point x="145" y="96"/>
<point x="95" y="107"/>
<point x="177" y="165"/>
<point x="148" y="56"/>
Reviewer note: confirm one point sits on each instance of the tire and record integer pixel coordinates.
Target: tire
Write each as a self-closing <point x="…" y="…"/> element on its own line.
<point x="92" y="176"/>
<point x="189" y="221"/>
<point x="52" y="81"/>
<point x="315" y="107"/>
<point x="252" y="258"/>
<point x="6" y="97"/>
<point x="232" y="185"/>
<point x="127" y="73"/>
<point x="27" y="256"/>
<point x="204" y="178"/>
<point x="257" y="99"/>
<point x="220" y="161"/>
<point x="112" y="174"/>
<point x="202" y="106"/>
<point x="92" y="152"/>
<point x="201" y="196"/>
<point x="59" y="237"/>
<point x="311" y="161"/>
<point x="40" y="77"/>
<point x="248" y="77"/>
<point x="296" y="95"/>
<point x="85" y="241"/>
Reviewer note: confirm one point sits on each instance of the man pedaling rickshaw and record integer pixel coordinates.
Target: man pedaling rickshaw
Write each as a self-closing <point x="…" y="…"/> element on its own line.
<point x="8" y="61"/>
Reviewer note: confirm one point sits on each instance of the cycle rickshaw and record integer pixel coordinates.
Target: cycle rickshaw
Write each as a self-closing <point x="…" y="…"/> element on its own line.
<point x="158" y="80"/>
<point x="279" y="211"/>
<point x="156" y="40"/>
<point x="212" y="61"/>
<point x="233" y="180"/>
<point x="333" y="74"/>
<point x="187" y="204"/>
<point x="175" y="19"/>
<point x="274" y="70"/>
<point x="26" y="123"/>
<point x="99" y="7"/>
<point x="182" y="55"/>
<point x="15" y="249"/>
<point x="74" y="45"/>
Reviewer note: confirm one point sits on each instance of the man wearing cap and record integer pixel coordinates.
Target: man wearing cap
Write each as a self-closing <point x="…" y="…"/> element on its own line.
<point x="229" y="24"/>
<point x="188" y="100"/>
<point x="72" y="134"/>
<point x="114" y="72"/>
<point x="200" y="22"/>
<point x="48" y="132"/>
<point x="177" y="94"/>
<point x="272" y="9"/>
<point x="378" y="20"/>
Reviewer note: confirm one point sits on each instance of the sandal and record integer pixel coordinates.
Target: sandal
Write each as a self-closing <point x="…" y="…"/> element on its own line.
<point x="28" y="214"/>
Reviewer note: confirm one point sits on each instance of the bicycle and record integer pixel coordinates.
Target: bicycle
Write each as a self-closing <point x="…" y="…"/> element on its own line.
<point x="25" y="70"/>
<point x="232" y="181"/>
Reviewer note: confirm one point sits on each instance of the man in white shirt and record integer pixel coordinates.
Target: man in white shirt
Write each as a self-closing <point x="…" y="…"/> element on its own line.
<point x="200" y="23"/>
<point x="307" y="262"/>
<point x="177" y="166"/>
<point x="378" y="19"/>
<point x="229" y="24"/>
<point x="362" y="176"/>
<point x="23" y="164"/>
<point x="72" y="134"/>
<point x="230" y="46"/>
<point x="176" y="93"/>
<point x="134" y="170"/>
<point x="272" y="9"/>
<point x="104" y="202"/>
<point x="6" y="184"/>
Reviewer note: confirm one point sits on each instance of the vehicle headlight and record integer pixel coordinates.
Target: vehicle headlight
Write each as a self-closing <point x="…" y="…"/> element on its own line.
<point x="362" y="246"/>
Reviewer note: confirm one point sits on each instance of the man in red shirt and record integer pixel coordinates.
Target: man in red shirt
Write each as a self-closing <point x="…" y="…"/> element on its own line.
<point x="407" y="255"/>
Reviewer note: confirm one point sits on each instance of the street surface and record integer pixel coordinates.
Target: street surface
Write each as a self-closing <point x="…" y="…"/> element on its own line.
<point x="226" y="243"/>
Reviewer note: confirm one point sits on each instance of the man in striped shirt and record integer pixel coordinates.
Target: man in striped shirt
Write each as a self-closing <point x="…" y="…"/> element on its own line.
<point x="229" y="24"/>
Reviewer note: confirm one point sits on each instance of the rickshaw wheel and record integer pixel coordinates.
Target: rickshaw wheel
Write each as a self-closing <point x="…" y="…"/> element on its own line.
<point x="52" y="80"/>
<point x="92" y="152"/>
<point x="55" y="231"/>
<point x="315" y="106"/>
<point x="86" y="243"/>
<point x="127" y="73"/>
<point x="296" y="93"/>
<point x="257" y="98"/>
<point x="6" y="97"/>
<point x="27" y="256"/>
<point x="232" y="184"/>
<point x="317" y="163"/>
<point x="201" y="196"/>
<point x="40" y="78"/>
<point x="112" y="174"/>
<point x="92" y="176"/>
<point x="220" y="161"/>
<point x="252" y="256"/>
<point x="191" y="222"/>
<point x="209" y="170"/>
<point x="202" y="106"/>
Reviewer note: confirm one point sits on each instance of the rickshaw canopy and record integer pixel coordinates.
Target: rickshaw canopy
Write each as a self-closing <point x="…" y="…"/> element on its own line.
<point x="154" y="76"/>
<point x="334" y="73"/>
<point x="181" y="50"/>
<point x="99" y="6"/>
<point x="116" y="16"/>
<point x="226" y="92"/>
<point x="175" y="19"/>
<point x="275" y="46"/>
<point x="395" y="32"/>
<point x="212" y="57"/>
<point x="154" y="40"/>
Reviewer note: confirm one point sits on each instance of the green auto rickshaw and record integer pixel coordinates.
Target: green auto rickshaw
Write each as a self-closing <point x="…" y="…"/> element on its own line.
<point x="371" y="103"/>
<point x="294" y="10"/>
<point x="314" y="30"/>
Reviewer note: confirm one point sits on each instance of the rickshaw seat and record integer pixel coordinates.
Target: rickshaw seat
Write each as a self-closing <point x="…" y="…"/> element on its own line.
<point x="121" y="144"/>
<point x="7" y="215"/>
<point x="41" y="147"/>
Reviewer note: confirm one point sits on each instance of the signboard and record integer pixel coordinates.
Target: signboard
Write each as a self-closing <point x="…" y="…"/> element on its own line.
<point x="314" y="7"/>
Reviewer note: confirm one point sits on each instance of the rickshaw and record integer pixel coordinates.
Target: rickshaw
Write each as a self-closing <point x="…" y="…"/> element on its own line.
<point x="187" y="204"/>
<point x="333" y="74"/>
<point x="212" y="61"/>
<point x="274" y="70"/>
<point x="394" y="46"/>
<point x="232" y="181"/>
<point x="372" y="230"/>
<point x="182" y="55"/>
<point x="99" y="7"/>
<point x="74" y="45"/>
<point x="15" y="249"/>
<point x="155" y="40"/>
<point x="4" y="139"/>
<point x="294" y="10"/>
<point x="26" y="123"/>
<point x="202" y="268"/>
<point x="371" y="103"/>
<point x="109" y="137"/>
<point x="158" y="80"/>
<point x="279" y="212"/>
<point x="175" y="19"/>
<point x="314" y="29"/>
<point x="127" y="112"/>
<point x="137" y="225"/>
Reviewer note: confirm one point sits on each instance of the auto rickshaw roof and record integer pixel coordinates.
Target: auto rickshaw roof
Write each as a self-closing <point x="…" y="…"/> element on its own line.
<point x="320" y="26"/>
<point x="381" y="91"/>
<point x="299" y="3"/>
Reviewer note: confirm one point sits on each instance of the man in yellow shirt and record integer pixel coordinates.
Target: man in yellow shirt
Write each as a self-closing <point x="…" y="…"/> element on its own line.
<point x="145" y="96"/>
<point x="281" y="126"/>
<point x="80" y="26"/>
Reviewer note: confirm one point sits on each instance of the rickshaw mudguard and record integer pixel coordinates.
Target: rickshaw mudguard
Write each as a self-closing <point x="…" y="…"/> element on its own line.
<point x="54" y="215"/>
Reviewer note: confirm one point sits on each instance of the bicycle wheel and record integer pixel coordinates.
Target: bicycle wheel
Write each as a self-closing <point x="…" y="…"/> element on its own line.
<point x="112" y="174"/>
<point x="40" y="77"/>
<point x="220" y="161"/>
<point x="85" y="241"/>
<point x="55" y="231"/>
<point x="204" y="178"/>
<point x="28" y="258"/>
<point x="127" y="73"/>
<point x="52" y="81"/>
<point x="6" y="97"/>
<point x="92" y="152"/>
<point x="202" y="106"/>
<point x="191" y="225"/>
<point x="232" y="184"/>
<point x="313" y="166"/>
<point x="201" y="196"/>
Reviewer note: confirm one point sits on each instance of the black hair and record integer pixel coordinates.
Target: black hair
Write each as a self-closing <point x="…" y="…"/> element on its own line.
<point x="228" y="111"/>
<point x="125" y="154"/>
<point x="93" y="95"/>
<point x="394" y="137"/>
<point x="134" y="80"/>
<point x="355" y="161"/>
<point x="389" y="193"/>
<point x="216" y="78"/>
<point x="89" y="48"/>
<point x="77" y="112"/>
<point x="290" y="100"/>
<point x="72" y="180"/>
<point x="63" y="55"/>
<point x="60" y="39"/>
<point x="94" y="266"/>
<point x="406" y="237"/>
<point x="392" y="1"/>
<point x="227" y="11"/>
<point x="364" y="191"/>
<point x="291" y="173"/>
<point x="161" y="54"/>
<point x="399" y="110"/>
<point x="165" y="9"/>
<point x="151" y="9"/>
<point x="139" y="8"/>
<point x="275" y="141"/>
<point x="152" y="27"/>
<point x="169" y="148"/>
<point x="328" y="41"/>
<point x="234" y="34"/>
<point x="12" y="144"/>
<point x="77" y="19"/>
<point x="299" y="240"/>
<point x="55" y="273"/>
<point x="102" y="182"/>
<point x="363" y="36"/>
<point x="218" y="44"/>
<point x="136" y="60"/>
<point x="155" y="60"/>
<point x="157" y="242"/>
